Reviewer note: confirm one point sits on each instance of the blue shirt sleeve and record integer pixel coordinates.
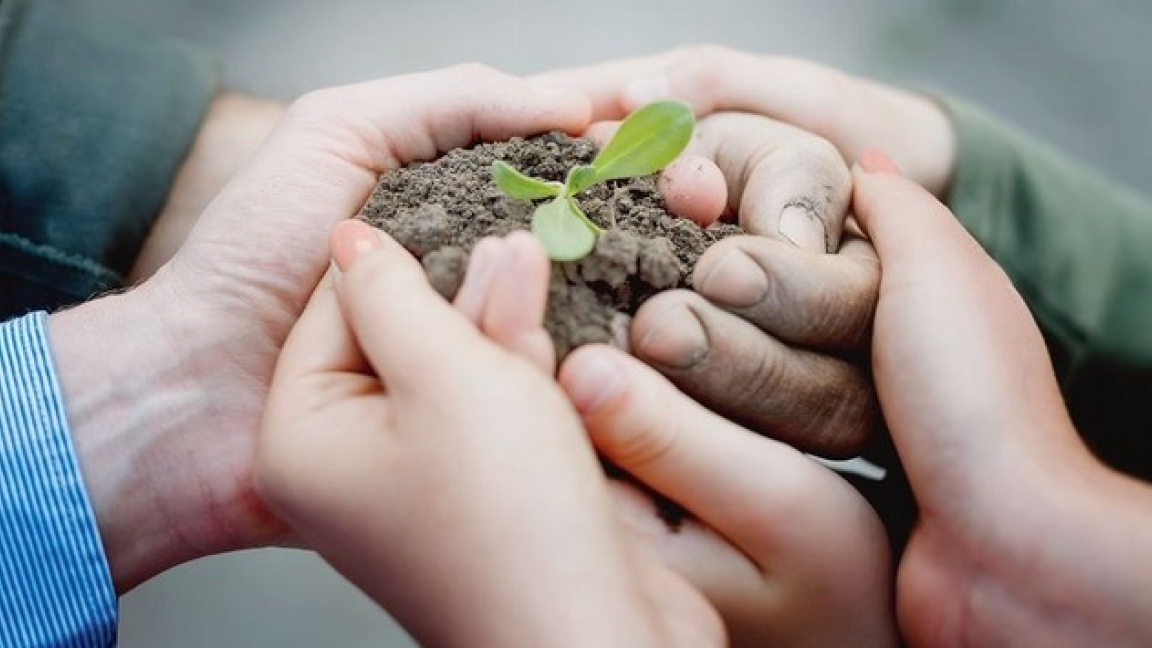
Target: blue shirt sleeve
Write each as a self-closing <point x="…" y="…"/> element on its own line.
<point x="55" y="586"/>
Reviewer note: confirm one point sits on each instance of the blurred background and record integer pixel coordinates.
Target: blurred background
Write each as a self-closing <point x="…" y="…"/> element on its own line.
<point x="1073" y="72"/>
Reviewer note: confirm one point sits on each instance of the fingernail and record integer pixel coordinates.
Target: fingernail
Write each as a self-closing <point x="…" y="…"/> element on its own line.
<point x="735" y="280"/>
<point x="646" y="89"/>
<point x="352" y="240"/>
<point x="800" y="226"/>
<point x="873" y="160"/>
<point x="592" y="379"/>
<point x="676" y="340"/>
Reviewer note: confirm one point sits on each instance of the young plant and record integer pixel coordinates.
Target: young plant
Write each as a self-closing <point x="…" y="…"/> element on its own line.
<point x="650" y="138"/>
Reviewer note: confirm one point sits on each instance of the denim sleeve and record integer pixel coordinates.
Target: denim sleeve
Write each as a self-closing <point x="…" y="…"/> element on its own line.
<point x="95" y="119"/>
<point x="55" y="587"/>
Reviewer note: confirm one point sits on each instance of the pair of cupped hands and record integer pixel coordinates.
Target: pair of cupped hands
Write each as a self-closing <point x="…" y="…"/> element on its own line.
<point x="425" y="450"/>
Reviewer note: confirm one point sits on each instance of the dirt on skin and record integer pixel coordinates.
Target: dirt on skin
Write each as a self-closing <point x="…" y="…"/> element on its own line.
<point x="438" y="210"/>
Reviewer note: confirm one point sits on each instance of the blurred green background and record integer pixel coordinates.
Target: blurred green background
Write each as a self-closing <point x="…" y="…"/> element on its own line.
<point x="1073" y="72"/>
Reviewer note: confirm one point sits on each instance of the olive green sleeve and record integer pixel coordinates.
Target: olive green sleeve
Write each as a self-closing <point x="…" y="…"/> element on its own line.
<point x="1079" y="249"/>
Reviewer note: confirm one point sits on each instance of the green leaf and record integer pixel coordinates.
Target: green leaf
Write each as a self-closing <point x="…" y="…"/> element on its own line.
<point x="579" y="178"/>
<point x="561" y="228"/>
<point x="647" y="141"/>
<point x="518" y="185"/>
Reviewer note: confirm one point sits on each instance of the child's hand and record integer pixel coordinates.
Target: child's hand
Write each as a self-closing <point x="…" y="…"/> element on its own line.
<point x="427" y="454"/>
<point x="788" y="552"/>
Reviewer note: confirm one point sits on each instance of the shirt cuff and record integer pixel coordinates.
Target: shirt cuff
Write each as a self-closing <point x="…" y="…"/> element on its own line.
<point x="55" y="585"/>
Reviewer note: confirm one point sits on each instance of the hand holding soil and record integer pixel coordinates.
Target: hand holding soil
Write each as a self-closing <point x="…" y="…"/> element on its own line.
<point x="439" y="211"/>
<point x="761" y="327"/>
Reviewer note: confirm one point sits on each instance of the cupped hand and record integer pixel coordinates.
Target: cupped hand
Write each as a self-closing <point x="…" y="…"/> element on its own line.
<point x="426" y="452"/>
<point x="1023" y="537"/>
<point x="166" y="432"/>
<point x="775" y="332"/>
<point x="850" y="112"/>
<point x="788" y="552"/>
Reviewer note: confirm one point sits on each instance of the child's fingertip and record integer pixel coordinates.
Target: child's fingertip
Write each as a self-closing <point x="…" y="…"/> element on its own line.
<point x="352" y="239"/>
<point x="592" y="377"/>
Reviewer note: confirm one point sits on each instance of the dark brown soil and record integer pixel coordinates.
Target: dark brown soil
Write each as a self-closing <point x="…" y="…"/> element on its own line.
<point x="438" y="210"/>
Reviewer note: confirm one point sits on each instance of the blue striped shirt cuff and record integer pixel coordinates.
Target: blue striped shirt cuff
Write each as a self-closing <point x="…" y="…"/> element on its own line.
<point x="55" y="587"/>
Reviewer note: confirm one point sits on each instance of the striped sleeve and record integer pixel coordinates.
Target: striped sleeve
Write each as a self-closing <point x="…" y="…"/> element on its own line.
<point x="55" y="586"/>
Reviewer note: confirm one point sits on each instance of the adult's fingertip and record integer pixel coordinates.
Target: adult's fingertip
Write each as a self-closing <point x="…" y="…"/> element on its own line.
<point x="694" y="188"/>
<point x="593" y="377"/>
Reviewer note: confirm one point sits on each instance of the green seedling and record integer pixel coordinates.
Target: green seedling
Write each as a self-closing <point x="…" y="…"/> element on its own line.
<point x="650" y="138"/>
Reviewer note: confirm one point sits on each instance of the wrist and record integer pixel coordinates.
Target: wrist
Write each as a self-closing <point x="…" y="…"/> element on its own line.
<point x="139" y="412"/>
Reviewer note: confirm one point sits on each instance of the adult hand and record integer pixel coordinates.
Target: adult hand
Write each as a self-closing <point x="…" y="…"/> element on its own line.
<point x="850" y="112"/>
<point x="1023" y="536"/>
<point x="427" y="454"/>
<point x="233" y="129"/>
<point x="165" y="384"/>
<point x="775" y="334"/>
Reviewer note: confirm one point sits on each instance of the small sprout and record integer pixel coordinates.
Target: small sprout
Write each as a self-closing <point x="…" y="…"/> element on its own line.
<point x="646" y="142"/>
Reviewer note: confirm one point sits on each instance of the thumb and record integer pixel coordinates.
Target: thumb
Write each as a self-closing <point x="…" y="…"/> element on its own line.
<point x="961" y="369"/>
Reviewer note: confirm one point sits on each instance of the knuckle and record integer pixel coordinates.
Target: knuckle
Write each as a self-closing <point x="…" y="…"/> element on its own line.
<point x="472" y="70"/>
<point x="764" y="374"/>
<point x="647" y="445"/>
<point x="851" y="414"/>
<point x="709" y="54"/>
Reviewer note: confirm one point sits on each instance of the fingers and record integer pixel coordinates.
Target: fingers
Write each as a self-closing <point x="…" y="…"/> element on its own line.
<point x="692" y="185"/>
<point x="777" y="508"/>
<point x="852" y="113"/>
<point x="960" y="366"/>
<point x="415" y="117"/>
<point x="823" y="301"/>
<point x="675" y="446"/>
<point x="321" y="162"/>
<point x="505" y="292"/>
<point x="320" y="342"/>
<point x="783" y="182"/>
<point x="694" y="188"/>
<point x="406" y="330"/>
<point x="814" y="401"/>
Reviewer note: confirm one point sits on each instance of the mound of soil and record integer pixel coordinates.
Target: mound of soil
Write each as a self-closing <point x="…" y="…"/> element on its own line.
<point x="438" y="210"/>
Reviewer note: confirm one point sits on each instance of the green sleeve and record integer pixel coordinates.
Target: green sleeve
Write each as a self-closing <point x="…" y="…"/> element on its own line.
<point x="1079" y="249"/>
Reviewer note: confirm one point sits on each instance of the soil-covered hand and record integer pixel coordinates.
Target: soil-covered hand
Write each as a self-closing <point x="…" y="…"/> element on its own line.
<point x="791" y="364"/>
<point x="165" y="384"/>
<point x="775" y="333"/>
<point x="788" y="552"/>
<point x="426" y="452"/>
<point x="1023" y="538"/>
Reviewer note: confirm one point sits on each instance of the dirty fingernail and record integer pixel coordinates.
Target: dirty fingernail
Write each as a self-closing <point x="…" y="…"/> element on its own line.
<point x="734" y="280"/>
<point x="803" y="229"/>
<point x="675" y="340"/>
<point x="645" y="89"/>
<point x="592" y="379"/>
